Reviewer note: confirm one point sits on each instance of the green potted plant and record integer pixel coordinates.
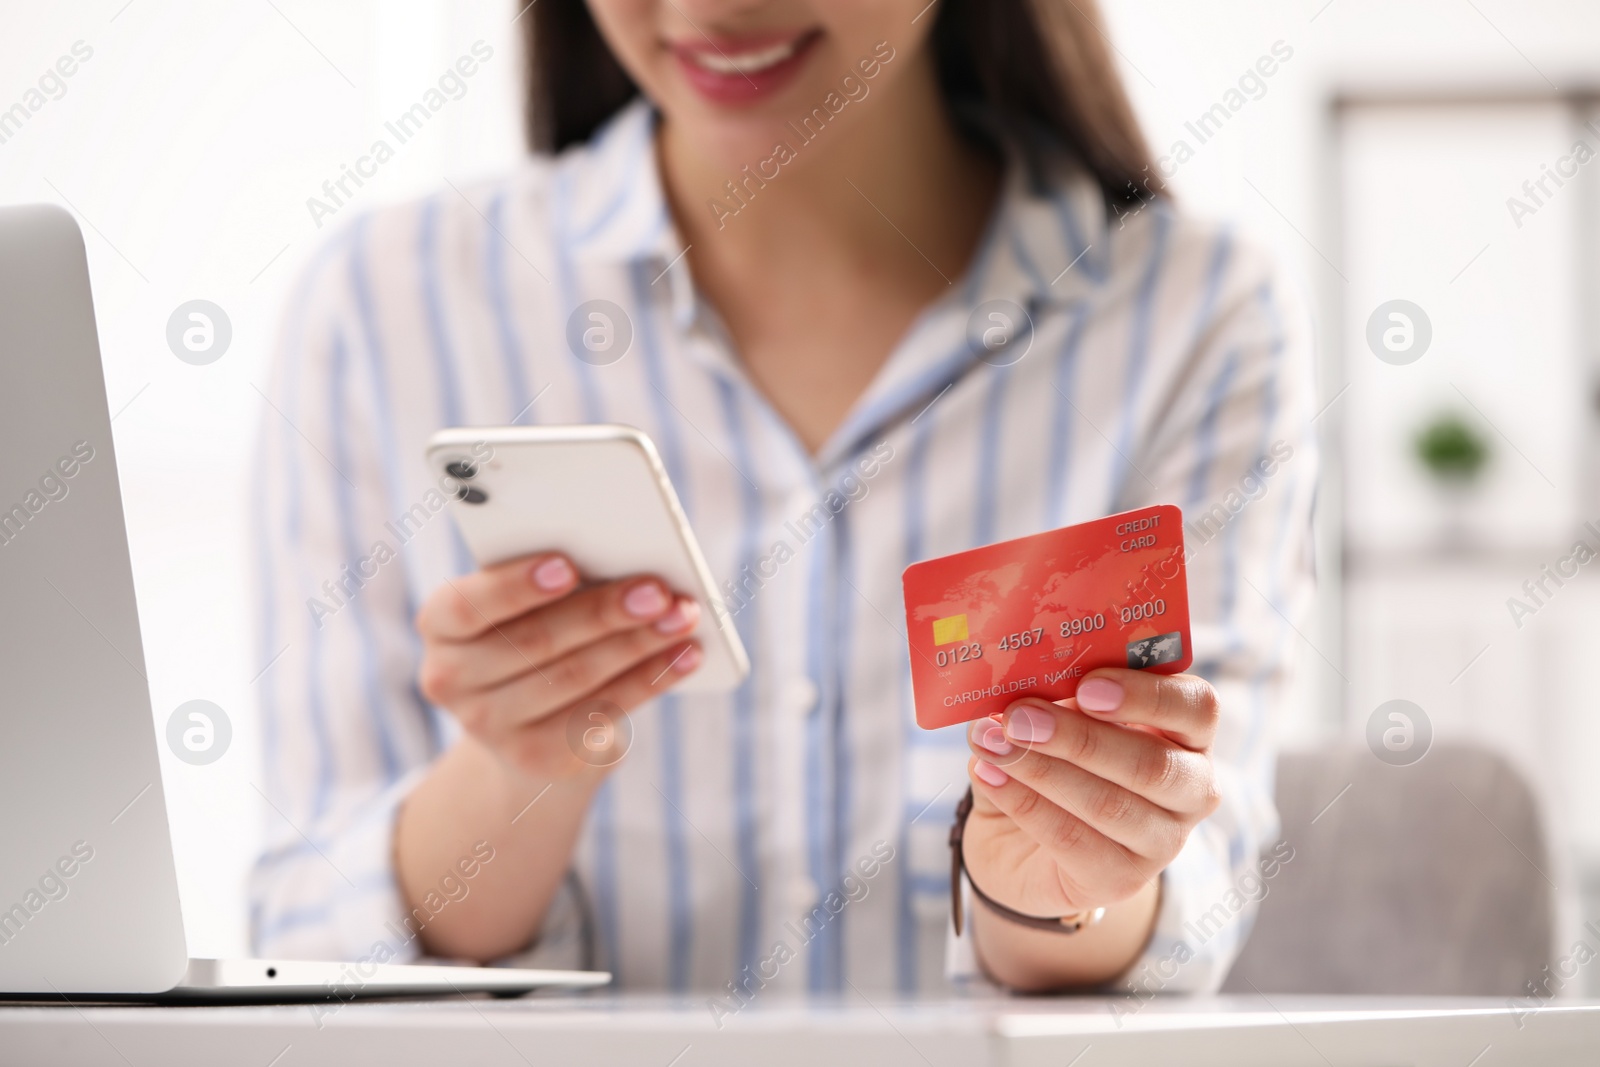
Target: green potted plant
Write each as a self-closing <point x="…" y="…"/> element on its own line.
<point x="1454" y="453"/>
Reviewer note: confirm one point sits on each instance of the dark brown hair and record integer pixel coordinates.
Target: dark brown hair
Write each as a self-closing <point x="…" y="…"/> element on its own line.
<point x="1042" y="66"/>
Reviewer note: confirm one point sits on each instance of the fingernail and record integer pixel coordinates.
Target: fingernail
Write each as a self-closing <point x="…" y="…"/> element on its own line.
<point x="1100" y="696"/>
<point x="988" y="734"/>
<point x="645" y="601"/>
<point x="1030" y="724"/>
<point x="683" y="616"/>
<point x="688" y="659"/>
<point x="553" y="574"/>
<point x="990" y="773"/>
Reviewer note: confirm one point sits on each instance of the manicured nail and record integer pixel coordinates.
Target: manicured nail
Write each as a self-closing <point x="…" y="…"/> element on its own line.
<point x="988" y="734"/>
<point x="1026" y="723"/>
<point x="683" y="616"/>
<point x="552" y="574"/>
<point x="990" y="773"/>
<point x="645" y="601"/>
<point x="1100" y="696"/>
<point x="688" y="659"/>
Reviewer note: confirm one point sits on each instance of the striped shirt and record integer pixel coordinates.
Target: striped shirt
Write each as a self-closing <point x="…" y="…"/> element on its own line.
<point x="1165" y="365"/>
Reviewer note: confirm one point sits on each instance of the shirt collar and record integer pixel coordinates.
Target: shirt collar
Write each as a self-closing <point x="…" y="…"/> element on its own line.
<point x="1046" y="240"/>
<point x="615" y="209"/>
<point x="1047" y="244"/>
<point x="1050" y="229"/>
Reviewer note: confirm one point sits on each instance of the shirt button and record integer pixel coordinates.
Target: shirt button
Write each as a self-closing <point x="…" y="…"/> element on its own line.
<point x="803" y="895"/>
<point x="800" y="697"/>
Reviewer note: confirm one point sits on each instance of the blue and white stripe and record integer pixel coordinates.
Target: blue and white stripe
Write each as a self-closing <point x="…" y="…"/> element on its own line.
<point x="1164" y="364"/>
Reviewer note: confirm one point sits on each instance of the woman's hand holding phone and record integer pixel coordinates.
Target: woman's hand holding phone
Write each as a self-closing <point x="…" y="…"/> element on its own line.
<point x="513" y="650"/>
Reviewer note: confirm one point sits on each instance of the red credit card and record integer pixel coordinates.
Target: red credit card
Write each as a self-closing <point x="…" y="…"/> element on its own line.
<point x="1031" y="617"/>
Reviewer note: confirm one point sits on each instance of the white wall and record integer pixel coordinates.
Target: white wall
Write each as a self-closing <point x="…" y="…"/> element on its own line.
<point x="188" y="144"/>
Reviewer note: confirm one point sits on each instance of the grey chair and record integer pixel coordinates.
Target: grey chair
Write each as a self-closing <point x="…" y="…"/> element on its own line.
<point x="1427" y="879"/>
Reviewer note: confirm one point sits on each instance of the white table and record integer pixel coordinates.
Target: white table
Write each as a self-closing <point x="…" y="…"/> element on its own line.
<point x="883" y="1031"/>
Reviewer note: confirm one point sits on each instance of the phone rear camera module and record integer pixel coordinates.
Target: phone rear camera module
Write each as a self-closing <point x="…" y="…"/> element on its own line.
<point x="462" y="469"/>
<point x="471" y="494"/>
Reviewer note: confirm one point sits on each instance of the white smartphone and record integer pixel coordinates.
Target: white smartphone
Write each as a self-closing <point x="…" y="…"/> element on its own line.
<point x="597" y="493"/>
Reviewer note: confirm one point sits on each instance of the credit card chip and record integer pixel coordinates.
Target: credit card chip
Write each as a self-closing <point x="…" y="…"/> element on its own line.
<point x="950" y="629"/>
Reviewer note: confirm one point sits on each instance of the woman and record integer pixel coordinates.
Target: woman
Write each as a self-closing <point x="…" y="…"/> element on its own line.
<point x="810" y="217"/>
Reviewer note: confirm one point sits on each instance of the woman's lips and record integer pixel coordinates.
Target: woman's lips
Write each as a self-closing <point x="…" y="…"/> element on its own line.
<point x="743" y="70"/>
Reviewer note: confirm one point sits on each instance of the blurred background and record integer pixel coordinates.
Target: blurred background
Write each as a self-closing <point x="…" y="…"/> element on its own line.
<point x="1436" y="152"/>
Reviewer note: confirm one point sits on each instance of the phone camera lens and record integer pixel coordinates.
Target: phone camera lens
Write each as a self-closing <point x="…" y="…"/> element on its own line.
<point x="471" y="494"/>
<point x="462" y="469"/>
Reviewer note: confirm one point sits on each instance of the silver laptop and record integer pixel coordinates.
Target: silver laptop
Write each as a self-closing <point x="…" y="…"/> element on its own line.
<point x="88" y="892"/>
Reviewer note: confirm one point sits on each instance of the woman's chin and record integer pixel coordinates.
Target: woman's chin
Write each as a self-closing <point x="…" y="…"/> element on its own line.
<point x="725" y="145"/>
